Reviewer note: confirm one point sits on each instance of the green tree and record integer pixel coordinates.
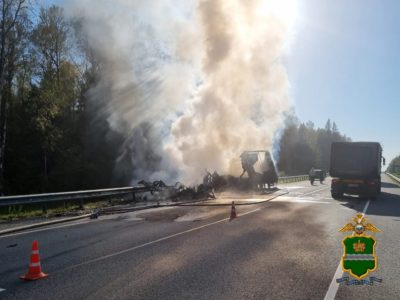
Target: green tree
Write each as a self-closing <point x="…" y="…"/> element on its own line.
<point x="303" y="147"/>
<point x="58" y="97"/>
<point x="58" y="138"/>
<point x="13" y="19"/>
<point x="394" y="166"/>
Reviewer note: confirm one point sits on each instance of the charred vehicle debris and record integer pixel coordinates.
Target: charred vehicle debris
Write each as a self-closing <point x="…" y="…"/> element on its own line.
<point x="259" y="174"/>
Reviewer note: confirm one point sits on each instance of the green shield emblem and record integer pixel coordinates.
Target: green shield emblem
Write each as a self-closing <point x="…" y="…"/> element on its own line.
<point x="359" y="255"/>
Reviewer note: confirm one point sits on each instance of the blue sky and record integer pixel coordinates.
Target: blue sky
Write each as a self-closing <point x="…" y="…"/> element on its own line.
<point x="344" y="64"/>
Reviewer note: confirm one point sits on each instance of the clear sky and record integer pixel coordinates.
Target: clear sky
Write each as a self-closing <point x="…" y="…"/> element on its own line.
<point x="344" y="64"/>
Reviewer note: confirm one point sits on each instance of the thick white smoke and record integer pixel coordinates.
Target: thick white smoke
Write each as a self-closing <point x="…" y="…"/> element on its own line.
<point x="190" y="83"/>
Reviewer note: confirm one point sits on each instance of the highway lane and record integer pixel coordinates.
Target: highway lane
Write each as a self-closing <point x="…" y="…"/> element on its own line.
<point x="385" y="215"/>
<point x="288" y="248"/>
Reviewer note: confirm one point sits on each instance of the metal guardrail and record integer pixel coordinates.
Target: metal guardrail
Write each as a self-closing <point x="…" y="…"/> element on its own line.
<point x="70" y="196"/>
<point x="289" y="179"/>
<point x="393" y="177"/>
<point x="80" y="196"/>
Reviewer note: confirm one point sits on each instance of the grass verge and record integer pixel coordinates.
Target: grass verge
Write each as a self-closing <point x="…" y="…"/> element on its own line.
<point x="19" y="212"/>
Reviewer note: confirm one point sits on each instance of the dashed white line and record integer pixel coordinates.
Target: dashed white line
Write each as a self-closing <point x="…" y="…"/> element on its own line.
<point x="2" y="290"/>
<point x="334" y="286"/>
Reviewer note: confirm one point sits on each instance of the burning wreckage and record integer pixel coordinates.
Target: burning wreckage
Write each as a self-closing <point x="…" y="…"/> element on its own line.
<point x="261" y="175"/>
<point x="261" y="161"/>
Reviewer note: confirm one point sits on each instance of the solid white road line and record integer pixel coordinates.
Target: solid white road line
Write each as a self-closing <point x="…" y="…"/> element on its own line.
<point x="156" y="241"/>
<point x="366" y="207"/>
<point x="2" y="290"/>
<point x="249" y="212"/>
<point x="293" y="187"/>
<point x="56" y="226"/>
<point x="299" y="200"/>
<point x="145" y="244"/>
<point x="45" y="228"/>
<point x="334" y="286"/>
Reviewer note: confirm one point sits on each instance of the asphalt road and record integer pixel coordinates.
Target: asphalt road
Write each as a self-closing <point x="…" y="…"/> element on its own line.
<point x="286" y="248"/>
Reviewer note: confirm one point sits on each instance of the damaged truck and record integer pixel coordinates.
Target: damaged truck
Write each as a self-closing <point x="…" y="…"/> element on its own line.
<point x="260" y="169"/>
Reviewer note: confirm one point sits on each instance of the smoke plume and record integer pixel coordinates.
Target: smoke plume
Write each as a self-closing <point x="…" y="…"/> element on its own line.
<point x="191" y="84"/>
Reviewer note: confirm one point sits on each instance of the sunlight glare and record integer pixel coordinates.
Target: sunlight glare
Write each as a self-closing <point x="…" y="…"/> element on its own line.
<point x="284" y="10"/>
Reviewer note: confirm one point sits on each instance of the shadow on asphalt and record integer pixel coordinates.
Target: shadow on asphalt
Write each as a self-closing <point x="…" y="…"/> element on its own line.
<point x="257" y="251"/>
<point x="389" y="185"/>
<point x="208" y="270"/>
<point x="387" y="204"/>
<point x="354" y="202"/>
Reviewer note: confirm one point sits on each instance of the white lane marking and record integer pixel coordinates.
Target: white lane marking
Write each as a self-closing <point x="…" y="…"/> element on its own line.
<point x="249" y="212"/>
<point x="293" y="187"/>
<point x="80" y="223"/>
<point x="144" y="245"/>
<point x="155" y="241"/>
<point x="299" y="200"/>
<point x="44" y="229"/>
<point x="366" y="207"/>
<point x="325" y="188"/>
<point x="334" y="286"/>
<point x="2" y="290"/>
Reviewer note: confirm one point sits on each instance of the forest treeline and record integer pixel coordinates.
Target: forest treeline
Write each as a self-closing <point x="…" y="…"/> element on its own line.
<point x="52" y="138"/>
<point x="302" y="146"/>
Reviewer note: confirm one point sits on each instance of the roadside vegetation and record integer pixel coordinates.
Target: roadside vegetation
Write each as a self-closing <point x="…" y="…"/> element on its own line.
<point x="24" y="212"/>
<point x="51" y="210"/>
<point x="303" y="146"/>
<point x="394" y="166"/>
<point x="51" y="138"/>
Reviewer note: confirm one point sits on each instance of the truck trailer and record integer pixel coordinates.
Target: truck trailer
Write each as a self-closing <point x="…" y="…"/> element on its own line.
<point x="356" y="169"/>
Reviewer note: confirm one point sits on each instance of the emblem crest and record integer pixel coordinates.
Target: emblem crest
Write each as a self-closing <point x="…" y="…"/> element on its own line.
<point x="359" y="257"/>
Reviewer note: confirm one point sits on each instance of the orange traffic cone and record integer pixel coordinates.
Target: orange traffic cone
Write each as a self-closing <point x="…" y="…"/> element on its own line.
<point x="233" y="211"/>
<point x="35" y="270"/>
